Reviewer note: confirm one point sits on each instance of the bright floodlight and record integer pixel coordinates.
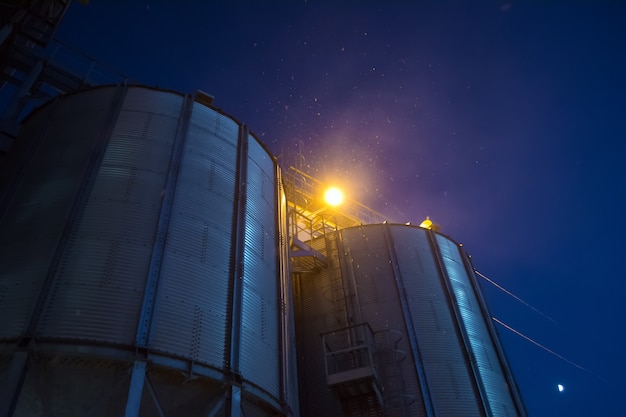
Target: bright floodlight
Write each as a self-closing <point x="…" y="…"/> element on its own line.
<point x="333" y="196"/>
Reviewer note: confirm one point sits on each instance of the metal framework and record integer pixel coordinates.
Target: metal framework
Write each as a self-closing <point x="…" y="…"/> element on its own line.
<point x="311" y="219"/>
<point x="35" y="67"/>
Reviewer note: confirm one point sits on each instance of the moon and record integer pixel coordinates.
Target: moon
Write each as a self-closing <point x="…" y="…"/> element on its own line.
<point x="560" y="387"/>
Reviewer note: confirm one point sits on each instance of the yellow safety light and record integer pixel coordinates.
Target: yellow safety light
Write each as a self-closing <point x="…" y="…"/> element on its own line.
<point x="333" y="196"/>
<point x="427" y="224"/>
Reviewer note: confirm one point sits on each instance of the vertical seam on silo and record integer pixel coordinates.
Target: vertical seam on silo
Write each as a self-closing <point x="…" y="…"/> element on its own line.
<point x="144" y="326"/>
<point x="501" y="355"/>
<point x="458" y="320"/>
<point x="233" y="336"/>
<point x="86" y="183"/>
<point x="283" y="295"/>
<point x="239" y="226"/>
<point x="408" y="321"/>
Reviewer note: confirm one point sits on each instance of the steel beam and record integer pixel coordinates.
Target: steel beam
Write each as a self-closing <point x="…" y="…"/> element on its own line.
<point x="133" y="402"/>
<point x="11" y="383"/>
<point x="144" y="327"/>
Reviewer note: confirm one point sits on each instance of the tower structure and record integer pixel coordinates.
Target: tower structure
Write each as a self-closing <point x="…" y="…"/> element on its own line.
<point x="155" y="260"/>
<point x="35" y="67"/>
<point x="390" y="319"/>
<point x="143" y="262"/>
<point x="404" y="329"/>
<point x="26" y="30"/>
<point x="144" y="235"/>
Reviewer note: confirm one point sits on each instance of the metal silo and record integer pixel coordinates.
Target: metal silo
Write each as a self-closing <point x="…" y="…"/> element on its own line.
<point x="404" y="330"/>
<point x="143" y="262"/>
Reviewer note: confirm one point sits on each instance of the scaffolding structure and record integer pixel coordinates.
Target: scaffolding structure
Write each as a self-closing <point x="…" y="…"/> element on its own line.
<point x="312" y="219"/>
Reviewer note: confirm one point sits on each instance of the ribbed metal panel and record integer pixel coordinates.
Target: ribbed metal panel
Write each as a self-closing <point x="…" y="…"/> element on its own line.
<point x="55" y="160"/>
<point x="151" y="101"/>
<point x="206" y="120"/>
<point x="191" y="311"/>
<point x="490" y="370"/>
<point x="314" y="309"/>
<point x="97" y="291"/>
<point x="418" y="300"/>
<point x="380" y="306"/>
<point x="445" y="360"/>
<point x="260" y="335"/>
<point x="122" y="224"/>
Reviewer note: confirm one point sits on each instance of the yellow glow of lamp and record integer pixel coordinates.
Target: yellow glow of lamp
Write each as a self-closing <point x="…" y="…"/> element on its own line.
<point x="333" y="196"/>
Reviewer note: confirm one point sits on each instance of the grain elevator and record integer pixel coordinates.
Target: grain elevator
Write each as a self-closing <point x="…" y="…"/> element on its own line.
<point x="155" y="260"/>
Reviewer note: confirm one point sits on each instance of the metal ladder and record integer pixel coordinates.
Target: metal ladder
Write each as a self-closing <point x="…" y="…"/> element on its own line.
<point x="389" y="359"/>
<point x="336" y="288"/>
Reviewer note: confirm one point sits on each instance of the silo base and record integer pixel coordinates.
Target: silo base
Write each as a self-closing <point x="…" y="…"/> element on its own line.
<point x="79" y="385"/>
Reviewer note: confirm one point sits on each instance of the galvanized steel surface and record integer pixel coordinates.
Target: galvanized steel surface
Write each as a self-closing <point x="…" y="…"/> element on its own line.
<point x="97" y="290"/>
<point x="191" y="306"/>
<point x="446" y="363"/>
<point x="424" y="271"/>
<point x="491" y="372"/>
<point x="92" y="268"/>
<point x="260" y="324"/>
<point x="39" y="187"/>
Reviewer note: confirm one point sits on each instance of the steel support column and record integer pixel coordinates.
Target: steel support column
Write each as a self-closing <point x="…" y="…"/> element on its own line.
<point x="233" y="404"/>
<point x="12" y="383"/>
<point x="137" y="377"/>
<point x="147" y="309"/>
<point x="13" y="110"/>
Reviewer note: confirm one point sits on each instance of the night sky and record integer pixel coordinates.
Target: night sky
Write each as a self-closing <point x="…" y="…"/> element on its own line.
<point x="502" y="121"/>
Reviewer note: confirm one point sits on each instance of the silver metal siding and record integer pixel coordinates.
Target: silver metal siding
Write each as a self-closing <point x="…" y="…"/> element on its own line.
<point x="98" y="287"/>
<point x="97" y="290"/>
<point x="260" y="343"/>
<point x="445" y="362"/>
<point x="149" y="100"/>
<point x="379" y="301"/>
<point x="440" y="327"/>
<point x="491" y="373"/>
<point x="31" y="228"/>
<point x="315" y="316"/>
<point x="192" y="302"/>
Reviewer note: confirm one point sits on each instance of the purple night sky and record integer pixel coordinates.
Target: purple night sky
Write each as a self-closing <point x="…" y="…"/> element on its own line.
<point x="501" y="120"/>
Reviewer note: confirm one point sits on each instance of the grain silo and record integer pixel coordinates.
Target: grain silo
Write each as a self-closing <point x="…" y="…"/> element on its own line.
<point x="391" y="322"/>
<point x="142" y="262"/>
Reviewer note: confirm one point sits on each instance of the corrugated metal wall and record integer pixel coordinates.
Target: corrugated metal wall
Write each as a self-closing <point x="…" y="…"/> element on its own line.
<point x="117" y="233"/>
<point x="490" y="370"/>
<point x="446" y="363"/>
<point x="39" y="184"/>
<point x="260" y="327"/>
<point x="369" y="262"/>
<point x="314" y="315"/>
<point x="191" y="307"/>
<point x="98" y="285"/>
<point x="435" y="356"/>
